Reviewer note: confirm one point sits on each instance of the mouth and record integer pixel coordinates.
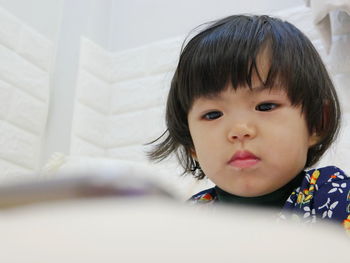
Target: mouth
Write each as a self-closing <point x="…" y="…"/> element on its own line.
<point x="243" y="159"/>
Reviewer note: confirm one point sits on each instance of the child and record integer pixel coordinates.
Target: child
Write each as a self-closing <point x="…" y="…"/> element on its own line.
<point x="251" y="106"/>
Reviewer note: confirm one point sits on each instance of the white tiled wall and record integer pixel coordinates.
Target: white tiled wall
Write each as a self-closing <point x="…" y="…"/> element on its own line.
<point x="25" y="58"/>
<point x="120" y="98"/>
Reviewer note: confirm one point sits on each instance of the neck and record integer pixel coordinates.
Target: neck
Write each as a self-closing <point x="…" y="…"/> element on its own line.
<point x="275" y="199"/>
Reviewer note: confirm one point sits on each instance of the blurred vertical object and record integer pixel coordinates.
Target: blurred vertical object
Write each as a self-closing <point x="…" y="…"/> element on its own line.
<point x="331" y="17"/>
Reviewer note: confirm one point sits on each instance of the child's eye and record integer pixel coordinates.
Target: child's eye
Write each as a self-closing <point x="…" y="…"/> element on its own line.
<point x="212" y="115"/>
<point x="266" y="106"/>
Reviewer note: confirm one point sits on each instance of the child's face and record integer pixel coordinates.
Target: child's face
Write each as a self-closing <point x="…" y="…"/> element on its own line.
<point x="249" y="142"/>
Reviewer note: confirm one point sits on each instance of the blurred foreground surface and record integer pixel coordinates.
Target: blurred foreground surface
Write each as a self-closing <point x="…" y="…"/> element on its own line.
<point x="107" y="223"/>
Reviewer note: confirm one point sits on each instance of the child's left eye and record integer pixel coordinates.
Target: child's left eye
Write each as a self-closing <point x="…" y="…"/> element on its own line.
<point x="266" y="106"/>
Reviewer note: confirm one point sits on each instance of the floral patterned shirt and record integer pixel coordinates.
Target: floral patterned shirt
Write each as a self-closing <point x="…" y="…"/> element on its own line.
<point x="324" y="194"/>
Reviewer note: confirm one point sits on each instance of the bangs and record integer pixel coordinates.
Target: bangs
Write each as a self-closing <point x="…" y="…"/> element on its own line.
<point x="231" y="51"/>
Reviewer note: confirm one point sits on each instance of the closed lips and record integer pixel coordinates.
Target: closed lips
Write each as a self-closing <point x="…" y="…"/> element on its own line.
<point x="243" y="155"/>
<point x="243" y="159"/>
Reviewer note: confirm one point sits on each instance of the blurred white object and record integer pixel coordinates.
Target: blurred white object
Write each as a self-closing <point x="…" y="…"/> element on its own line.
<point x="156" y="230"/>
<point x="119" y="182"/>
<point x="181" y="187"/>
<point x="330" y="15"/>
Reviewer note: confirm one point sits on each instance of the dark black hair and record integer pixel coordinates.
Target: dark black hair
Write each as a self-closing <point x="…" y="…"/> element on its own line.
<point x="226" y="52"/>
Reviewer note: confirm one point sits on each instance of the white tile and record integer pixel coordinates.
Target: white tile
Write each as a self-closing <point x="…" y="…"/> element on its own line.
<point x="90" y="125"/>
<point x="6" y="95"/>
<point x="94" y="92"/>
<point x="140" y="93"/>
<point x="18" y="146"/>
<point x="147" y="60"/>
<point x="96" y="60"/>
<point x="128" y="65"/>
<point x="135" y="153"/>
<point x="134" y="128"/>
<point x="22" y="74"/>
<point x="163" y="55"/>
<point x="9" y="29"/>
<point x="11" y="170"/>
<point x="28" y="112"/>
<point x="35" y="48"/>
<point x="81" y="147"/>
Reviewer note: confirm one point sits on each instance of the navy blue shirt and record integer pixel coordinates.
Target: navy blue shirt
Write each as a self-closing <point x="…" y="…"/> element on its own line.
<point x="314" y="195"/>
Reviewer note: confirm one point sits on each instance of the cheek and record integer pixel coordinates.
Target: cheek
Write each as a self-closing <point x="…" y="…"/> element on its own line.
<point x="292" y="128"/>
<point x="203" y="138"/>
<point x="207" y="150"/>
<point x="290" y="141"/>
<point x="199" y="145"/>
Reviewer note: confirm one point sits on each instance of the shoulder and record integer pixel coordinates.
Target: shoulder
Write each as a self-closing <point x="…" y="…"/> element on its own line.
<point x="323" y="194"/>
<point x="326" y="175"/>
<point x="206" y="196"/>
<point x="332" y="196"/>
<point x="327" y="181"/>
<point x="322" y="178"/>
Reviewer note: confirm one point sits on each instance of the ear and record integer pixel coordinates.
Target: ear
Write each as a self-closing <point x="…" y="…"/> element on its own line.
<point x="314" y="139"/>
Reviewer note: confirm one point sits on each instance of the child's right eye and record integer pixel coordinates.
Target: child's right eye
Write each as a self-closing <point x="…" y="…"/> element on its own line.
<point x="212" y="115"/>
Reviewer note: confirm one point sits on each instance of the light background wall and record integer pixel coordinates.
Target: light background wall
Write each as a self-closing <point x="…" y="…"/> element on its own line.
<point x="137" y="22"/>
<point x="42" y="15"/>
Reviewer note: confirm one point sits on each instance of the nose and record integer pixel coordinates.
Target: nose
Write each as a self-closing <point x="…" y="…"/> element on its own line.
<point x="241" y="132"/>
